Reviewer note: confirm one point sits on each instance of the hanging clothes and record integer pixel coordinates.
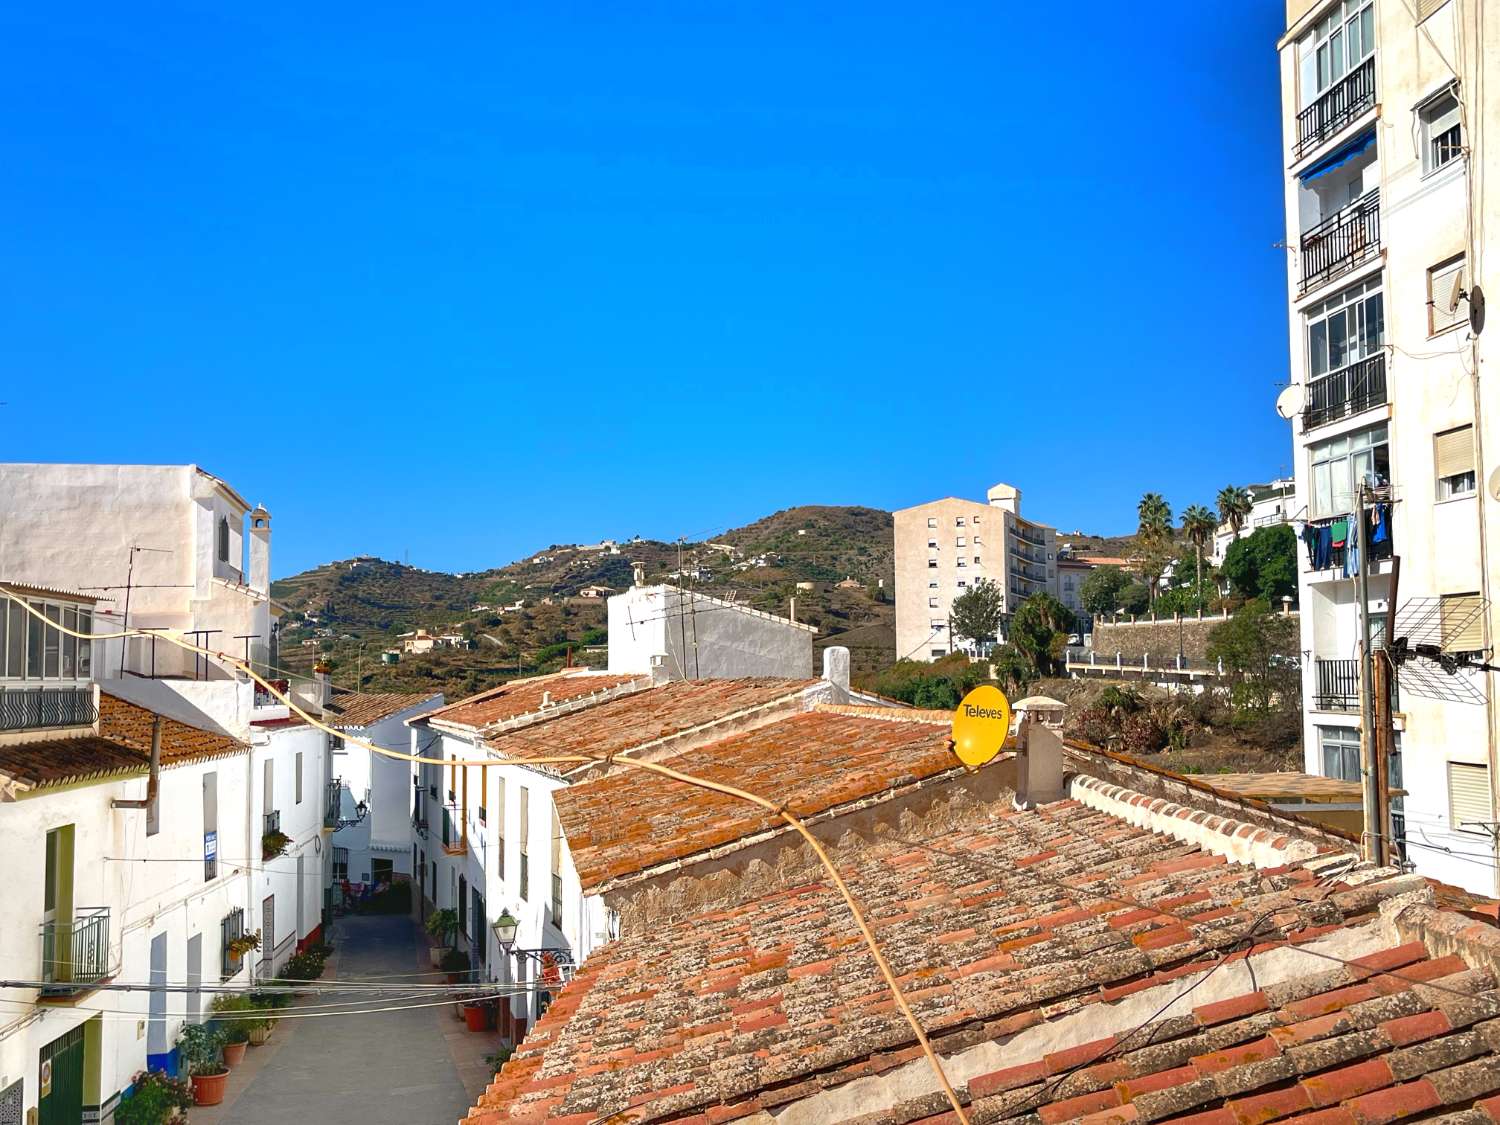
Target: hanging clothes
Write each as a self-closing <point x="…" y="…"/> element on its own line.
<point x="1351" y="560"/>
<point x="1309" y="537"/>
<point x="1339" y="530"/>
<point x="1380" y="520"/>
<point x="1323" y="548"/>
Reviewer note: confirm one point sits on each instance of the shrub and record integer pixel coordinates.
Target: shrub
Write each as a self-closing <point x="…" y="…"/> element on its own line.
<point x="442" y="924"/>
<point x="307" y="965"/>
<point x="227" y="1008"/>
<point x="454" y="962"/>
<point x="154" y="1094"/>
<point x="198" y="1046"/>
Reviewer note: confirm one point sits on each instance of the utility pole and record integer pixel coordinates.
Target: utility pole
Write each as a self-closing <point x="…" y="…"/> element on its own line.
<point x="1372" y="839"/>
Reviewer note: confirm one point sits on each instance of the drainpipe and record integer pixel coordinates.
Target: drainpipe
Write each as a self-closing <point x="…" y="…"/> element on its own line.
<point x="153" y="779"/>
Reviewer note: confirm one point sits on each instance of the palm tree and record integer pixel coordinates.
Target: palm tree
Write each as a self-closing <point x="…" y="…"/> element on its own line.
<point x="1154" y="533"/>
<point x="1198" y="525"/>
<point x="1234" y="507"/>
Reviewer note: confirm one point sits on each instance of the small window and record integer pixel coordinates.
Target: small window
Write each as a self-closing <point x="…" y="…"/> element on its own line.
<point x="1469" y="805"/>
<point x="938" y="626"/>
<point x="961" y="562"/>
<point x="961" y="542"/>
<point x="1340" y="749"/>
<point x="1462" y="622"/>
<point x="1453" y="458"/>
<point x="976" y="520"/>
<point x="1442" y="132"/>
<point x="932" y="564"/>
<point x="932" y="603"/>
<point x="959" y="522"/>
<point x="932" y="521"/>
<point x="223" y="539"/>
<point x="932" y="585"/>
<point x="962" y="584"/>
<point x="976" y="540"/>
<point x="1447" y="292"/>
<point x="938" y="652"/>
<point x="932" y="543"/>
<point x="977" y="562"/>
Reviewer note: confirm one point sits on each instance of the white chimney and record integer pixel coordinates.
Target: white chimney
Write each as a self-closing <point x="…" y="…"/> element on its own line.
<point x="260" y="550"/>
<point x="1006" y="497"/>
<point x="660" y="673"/>
<point x="638" y="573"/>
<point x="836" y="670"/>
<point x="1039" y="725"/>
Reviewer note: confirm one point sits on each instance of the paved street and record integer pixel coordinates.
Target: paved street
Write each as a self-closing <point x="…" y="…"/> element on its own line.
<point x="388" y="1069"/>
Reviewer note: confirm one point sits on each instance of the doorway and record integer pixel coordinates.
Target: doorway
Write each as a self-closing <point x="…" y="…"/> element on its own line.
<point x="60" y="1078"/>
<point x="268" y="936"/>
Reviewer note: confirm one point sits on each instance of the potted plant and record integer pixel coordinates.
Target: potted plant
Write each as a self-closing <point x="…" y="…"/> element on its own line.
<point x="245" y="943"/>
<point x="477" y="1014"/>
<point x="274" y="844"/>
<point x="441" y="926"/>
<point x="455" y="964"/>
<point x="198" y="1046"/>
<point x="154" y="1097"/>
<point x="235" y="1027"/>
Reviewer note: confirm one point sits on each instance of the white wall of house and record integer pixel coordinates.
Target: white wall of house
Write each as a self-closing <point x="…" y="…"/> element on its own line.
<point x="699" y="637"/>
<point x="293" y="882"/>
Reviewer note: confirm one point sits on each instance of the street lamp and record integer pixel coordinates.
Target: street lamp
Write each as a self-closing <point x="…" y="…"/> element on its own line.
<point x="505" y="928"/>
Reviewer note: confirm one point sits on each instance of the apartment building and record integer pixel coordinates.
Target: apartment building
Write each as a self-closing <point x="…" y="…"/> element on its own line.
<point x="945" y="546"/>
<point x="1385" y="194"/>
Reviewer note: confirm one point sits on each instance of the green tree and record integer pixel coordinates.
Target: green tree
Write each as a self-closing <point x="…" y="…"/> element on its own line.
<point x="977" y="613"/>
<point x="1259" y="647"/>
<point x="939" y="684"/>
<point x="1198" y="525"/>
<point x="1039" y="630"/>
<point x="1100" y="591"/>
<point x="1234" y="507"/>
<point x="1135" y="598"/>
<point x="1012" y="668"/>
<point x="1153" y="539"/>
<point x="1263" y="564"/>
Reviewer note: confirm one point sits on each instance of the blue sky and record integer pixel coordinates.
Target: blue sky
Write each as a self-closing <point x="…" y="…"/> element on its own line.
<point x="465" y="283"/>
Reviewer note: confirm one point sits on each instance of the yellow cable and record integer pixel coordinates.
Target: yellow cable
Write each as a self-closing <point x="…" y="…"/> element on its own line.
<point x="174" y="637"/>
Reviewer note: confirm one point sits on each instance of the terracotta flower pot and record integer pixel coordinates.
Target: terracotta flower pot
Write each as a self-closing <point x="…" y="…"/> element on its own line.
<point x="474" y="1017"/>
<point x="234" y="1053"/>
<point x="208" y="1089"/>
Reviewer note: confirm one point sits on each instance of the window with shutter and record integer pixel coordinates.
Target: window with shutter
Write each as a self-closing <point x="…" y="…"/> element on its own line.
<point x="1453" y="459"/>
<point x="1469" y="804"/>
<point x="1445" y="305"/>
<point x="1425" y="8"/>
<point x="1462" y="622"/>
<point x="1442" y="132"/>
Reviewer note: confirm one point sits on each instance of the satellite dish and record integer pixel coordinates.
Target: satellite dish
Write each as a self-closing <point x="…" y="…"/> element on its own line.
<point x="1494" y="484"/>
<point x="1290" y="401"/>
<point x="1476" y="310"/>
<point x="980" y="724"/>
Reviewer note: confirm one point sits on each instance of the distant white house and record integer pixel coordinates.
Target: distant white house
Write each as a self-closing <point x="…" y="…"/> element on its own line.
<point x="1270" y="504"/>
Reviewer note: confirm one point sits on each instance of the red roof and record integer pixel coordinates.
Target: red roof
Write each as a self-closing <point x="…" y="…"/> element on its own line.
<point x="811" y="760"/>
<point x="521" y="697"/>
<point x="992" y="930"/>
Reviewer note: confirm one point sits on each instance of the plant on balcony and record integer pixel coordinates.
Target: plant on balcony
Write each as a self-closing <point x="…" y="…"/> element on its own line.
<point x="245" y="943"/>
<point x="274" y="844"/>
<point x="198" y="1046"/>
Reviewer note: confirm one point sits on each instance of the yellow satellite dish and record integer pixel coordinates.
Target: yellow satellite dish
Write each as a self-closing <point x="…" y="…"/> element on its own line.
<point x="980" y="725"/>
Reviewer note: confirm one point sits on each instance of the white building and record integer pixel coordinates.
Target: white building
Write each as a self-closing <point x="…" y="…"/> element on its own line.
<point x="1386" y="193"/>
<point x="369" y="797"/>
<point x="945" y="547"/>
<point x="1271" y="504"/>
<point x="694" y="636"/>
<point x="108" y="881"/>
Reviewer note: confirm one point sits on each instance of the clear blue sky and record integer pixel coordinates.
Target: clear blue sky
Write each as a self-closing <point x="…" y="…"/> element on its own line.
<point x="467" y="284"/>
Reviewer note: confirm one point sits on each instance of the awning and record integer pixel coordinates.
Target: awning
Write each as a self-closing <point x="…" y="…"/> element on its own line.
<point x="1338" y="157"/>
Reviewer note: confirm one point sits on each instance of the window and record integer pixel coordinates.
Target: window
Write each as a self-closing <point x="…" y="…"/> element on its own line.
<point x="1340" y="464"/>
<point x="1342" y="40"/>
<point x="525" y="841"/>
<point x="1346" y="328"/>
<point x="1446" y="306"/>
<point x="52" y="643"/>
<point x="932" y="603"/>
<point x="1442" y="132"/>
<point x="932" y="564"/>
<point x="962" y="584"/>
<point x="1453" y="458"/>
<point x="484" y="794"/>
<point x="1462" y="623"/>
<point x="223" y="539"/>
<point x="962" y="563"/>
<point x="937" y="652"/>
<point x="976" y="540"/>
<point x="299" y="778"/>
<point x="932" y="544"/>
<point x="557" y="838"/>
<point x="231" y="928"/>
<point x="961" y="542"/>
<point x="977" y="562"/>
<point x="1469" y="804"/>
<point x="959" y="522"/>
<point x="932" y="585"/>
<point x="341" y="864"/>
<point x="1340" y="748"/>
<point x="938" y="625"/>
<point x="932" y="521"/>
<point x="976" y="520"/>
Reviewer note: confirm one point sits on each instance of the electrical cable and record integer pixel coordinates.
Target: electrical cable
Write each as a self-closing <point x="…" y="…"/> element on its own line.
<point x="791" y="819"/>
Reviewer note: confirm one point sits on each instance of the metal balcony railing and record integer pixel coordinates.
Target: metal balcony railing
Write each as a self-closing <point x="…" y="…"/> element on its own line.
<point x="454" y="842"/>
<point x="1033" y="537"/>
<point x="271" y="822"/>
<point x="1340" y="104"/>
<point x="1342" y="241"/>
<point x="39" y="708"/>
<point x="1349" y="390"/>
<point x="264" y="698"/>
<point x="333" y="804"/>
<point x="1337" y="685"/>
<point x="75" y="952"/>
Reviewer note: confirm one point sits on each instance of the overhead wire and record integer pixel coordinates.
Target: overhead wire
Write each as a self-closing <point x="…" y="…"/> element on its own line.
<point x="779" y="810"/>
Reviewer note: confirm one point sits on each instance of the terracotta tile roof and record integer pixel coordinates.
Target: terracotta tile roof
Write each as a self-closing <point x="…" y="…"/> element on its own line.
<point x="811" y="760"/>
<point x="63" y="760"/>
<point x="991" y="929"/>
<point x="129" y="724"/>
<point x="642" y="717"/>
<point x="520" y="697"/>
<point x="351" y="709"/>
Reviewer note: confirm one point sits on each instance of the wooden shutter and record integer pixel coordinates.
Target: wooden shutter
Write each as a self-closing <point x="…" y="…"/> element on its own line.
<point x="1442" y="283"/>
<point x="1425" y="8"/>
<point x="1453" y="451"/>
<point x="1462" y="623"/>
<point x="1469" y="796"/>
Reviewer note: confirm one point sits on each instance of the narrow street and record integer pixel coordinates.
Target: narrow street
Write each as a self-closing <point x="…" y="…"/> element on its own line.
<point x="392" y="1068"/>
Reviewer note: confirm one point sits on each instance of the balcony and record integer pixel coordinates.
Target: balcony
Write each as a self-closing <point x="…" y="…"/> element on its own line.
<point x="454" y="842"/>
<point x="264" y="698"/>
<point x="75" y="953"/>
<point x="1345" y="239"/>
<point x="1030" y="535"/>
<point x="1337" y="107"/>
<point x="1378" y="551"/>
<point x="1347" y="391"/>
<point x="271" y="822"/>
<point x="333" y="803"/>
<point x="43" y="708"/>
<point x="1337" y="685"/>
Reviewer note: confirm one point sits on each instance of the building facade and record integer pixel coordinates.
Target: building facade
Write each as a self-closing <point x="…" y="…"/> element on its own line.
<point x="1385" y="195"/>
<point x="945" y="547"/>
<point x="1271" y="504"/>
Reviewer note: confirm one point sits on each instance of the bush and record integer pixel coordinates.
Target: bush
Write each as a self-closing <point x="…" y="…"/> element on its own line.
<point x="454" y="962"/>
<point x="198" y="1046"/>
<point x="154" y="1094"/>
<point x="938" y="685"/>
<point x="307" y="965"/>
<point x="237" y="1027"/>
<point x="442" y="925"/>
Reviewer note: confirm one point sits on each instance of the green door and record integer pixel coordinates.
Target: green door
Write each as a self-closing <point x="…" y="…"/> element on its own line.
<point x="61" y="1080"/>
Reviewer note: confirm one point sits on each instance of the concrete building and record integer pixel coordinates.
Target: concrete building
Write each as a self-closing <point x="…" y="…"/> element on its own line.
<point x="1071" y="571"/>
<point x="946" y="546"/>
<point x="694" y="636"/>
<point x="1386" y="191"/>
<point x="1271" y="503"/>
